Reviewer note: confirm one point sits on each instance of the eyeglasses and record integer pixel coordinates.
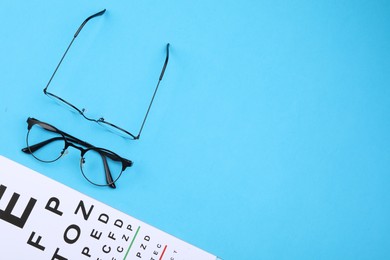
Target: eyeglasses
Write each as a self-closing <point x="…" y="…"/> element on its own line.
<point x="99" y="166"/>
<point x="101" y="120"/>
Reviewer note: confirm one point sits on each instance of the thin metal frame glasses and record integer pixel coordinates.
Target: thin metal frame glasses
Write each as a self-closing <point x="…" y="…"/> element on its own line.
<point x="101" y="120"/>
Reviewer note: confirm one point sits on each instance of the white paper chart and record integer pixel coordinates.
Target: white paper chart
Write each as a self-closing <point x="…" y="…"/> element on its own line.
<point x="43" y="219"/>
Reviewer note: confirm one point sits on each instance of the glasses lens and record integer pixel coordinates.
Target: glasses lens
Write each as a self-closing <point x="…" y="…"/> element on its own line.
<point x="99" y="167"/>
<point x="114" y="129"/>
<point x="45" y="145"/>
<point x="62" y="102"/>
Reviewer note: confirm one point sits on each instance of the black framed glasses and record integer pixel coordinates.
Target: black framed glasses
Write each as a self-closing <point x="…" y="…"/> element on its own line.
<point x="101" y="120"/>
<point x="99" y="166"/>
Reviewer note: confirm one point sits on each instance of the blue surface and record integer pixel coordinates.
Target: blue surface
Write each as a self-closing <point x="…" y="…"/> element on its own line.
<point x="269" y="136"/>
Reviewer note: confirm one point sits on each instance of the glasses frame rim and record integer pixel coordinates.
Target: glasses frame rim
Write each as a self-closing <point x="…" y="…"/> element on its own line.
<point x="108" y="174"/>
<point x="101" y="120"/>
<point x="69" y="141"/>
<point x="39" y="159"/>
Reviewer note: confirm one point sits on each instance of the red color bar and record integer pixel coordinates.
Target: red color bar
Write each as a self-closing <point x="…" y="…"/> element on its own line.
<point x="163" y="252"/>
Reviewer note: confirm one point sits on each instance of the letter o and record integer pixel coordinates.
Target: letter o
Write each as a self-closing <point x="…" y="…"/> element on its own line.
<point x="72" y="240"/>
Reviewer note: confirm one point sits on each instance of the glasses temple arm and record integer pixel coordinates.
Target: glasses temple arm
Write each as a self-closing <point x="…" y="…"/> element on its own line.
<point x="165" y="64"/>
<point x="86" y="20"/>
<point x="70" y="44"/>
<point x="155" y="91"/>
<point x="33" y="148"/>
<point x="107" y="171"/>
<point x="58" y="65"/>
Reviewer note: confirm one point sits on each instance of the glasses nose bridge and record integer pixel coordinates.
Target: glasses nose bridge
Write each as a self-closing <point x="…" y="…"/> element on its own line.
<point x="82" y="150"/>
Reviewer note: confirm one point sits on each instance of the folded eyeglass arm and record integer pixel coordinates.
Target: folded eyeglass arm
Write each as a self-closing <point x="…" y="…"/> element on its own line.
<point x="33" y="148"/>
<point x="107" y="171"/>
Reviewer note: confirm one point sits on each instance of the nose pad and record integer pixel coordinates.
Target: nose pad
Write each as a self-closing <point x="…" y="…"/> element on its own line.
<point x="64" y="152"/>
<point x="82" y="161"/>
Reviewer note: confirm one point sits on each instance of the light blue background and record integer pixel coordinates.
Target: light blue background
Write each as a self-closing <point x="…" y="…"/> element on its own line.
<point x="269" y="137"/>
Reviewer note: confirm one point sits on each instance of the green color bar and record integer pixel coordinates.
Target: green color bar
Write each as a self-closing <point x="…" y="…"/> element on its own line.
<point x="131" y="244"/>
